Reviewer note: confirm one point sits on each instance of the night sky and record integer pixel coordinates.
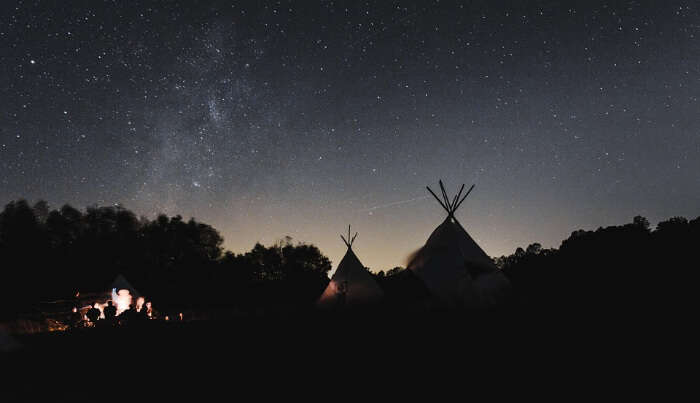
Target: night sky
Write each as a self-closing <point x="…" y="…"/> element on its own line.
<point x="267" y="119"/>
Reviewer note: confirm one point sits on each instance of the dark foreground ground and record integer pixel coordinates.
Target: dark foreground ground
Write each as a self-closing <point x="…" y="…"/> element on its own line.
<point x="311" y="356"/>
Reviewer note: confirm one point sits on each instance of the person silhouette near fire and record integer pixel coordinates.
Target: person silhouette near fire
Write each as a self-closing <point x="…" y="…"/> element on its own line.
<point x="128" y="315"/>
<point x="75" y="318"/>
<point x="143" y="314"/>
<point x="93" y="314"/>
<point x="110" y="312"/>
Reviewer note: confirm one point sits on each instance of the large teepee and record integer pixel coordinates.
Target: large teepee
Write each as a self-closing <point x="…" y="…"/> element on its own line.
<point x="351" y="284"/>
<point x="453" y="267"/>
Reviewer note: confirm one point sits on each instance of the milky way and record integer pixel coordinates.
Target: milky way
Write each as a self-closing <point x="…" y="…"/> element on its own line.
<point x="268" y="119"/>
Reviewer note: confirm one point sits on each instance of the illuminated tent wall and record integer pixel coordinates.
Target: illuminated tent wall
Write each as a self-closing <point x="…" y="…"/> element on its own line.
<point x="351" y="284"/>
<point x="120" y="283"/>
<point x="453" y="267"/>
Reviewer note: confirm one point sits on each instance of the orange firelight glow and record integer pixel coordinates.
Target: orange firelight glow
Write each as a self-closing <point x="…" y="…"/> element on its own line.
<point x="122" y="300"/>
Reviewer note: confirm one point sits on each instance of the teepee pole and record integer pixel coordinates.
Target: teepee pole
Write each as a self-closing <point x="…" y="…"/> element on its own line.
<point x="444" y="196"/>
<point x="454" y="201"/>
<point x="349" y="241"/>
<point x="465" y="196"/>
<point x="437" y="198"/>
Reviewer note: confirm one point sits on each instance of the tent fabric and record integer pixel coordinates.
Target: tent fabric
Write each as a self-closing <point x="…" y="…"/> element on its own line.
<point x="351" y="285"/>
<point x="456" y="270"/>
<point x="120" y="283"/>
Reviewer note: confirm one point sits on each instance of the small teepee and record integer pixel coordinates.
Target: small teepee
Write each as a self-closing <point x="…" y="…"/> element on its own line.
<point x="451" y="264"/>
<point x="120" y="283"/>
<point x="351" y="284"/>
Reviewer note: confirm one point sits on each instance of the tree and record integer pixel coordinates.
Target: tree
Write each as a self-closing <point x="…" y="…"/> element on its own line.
<point x="41" y="210"/>
<point x="24" y="250"/>
<point x="396" y="270"/>
<point x="533" y="249"/>
<point x="641" y="222"/>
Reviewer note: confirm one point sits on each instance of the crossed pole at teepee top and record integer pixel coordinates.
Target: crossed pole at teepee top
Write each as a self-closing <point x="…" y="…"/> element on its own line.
<point x="450" y="206"/>
<point x="349" y="241"/>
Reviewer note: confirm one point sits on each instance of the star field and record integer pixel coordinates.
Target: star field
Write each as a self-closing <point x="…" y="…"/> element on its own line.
<point x="268" y="119"/>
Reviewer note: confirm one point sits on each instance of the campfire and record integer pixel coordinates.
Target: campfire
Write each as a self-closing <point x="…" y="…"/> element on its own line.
<point x="122" y="300"/>
<point x="129" y="306"/>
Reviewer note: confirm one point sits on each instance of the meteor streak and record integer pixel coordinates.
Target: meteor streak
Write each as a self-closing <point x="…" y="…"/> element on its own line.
<point x="396" y="203"/>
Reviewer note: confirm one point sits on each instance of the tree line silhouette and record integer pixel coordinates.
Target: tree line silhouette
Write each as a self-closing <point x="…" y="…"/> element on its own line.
<point x="50" y="254"/>
<point x="621" y="272"/>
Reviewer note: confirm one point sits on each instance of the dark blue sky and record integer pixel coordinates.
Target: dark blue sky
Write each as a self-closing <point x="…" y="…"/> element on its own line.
<point x="267" y="119"/>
